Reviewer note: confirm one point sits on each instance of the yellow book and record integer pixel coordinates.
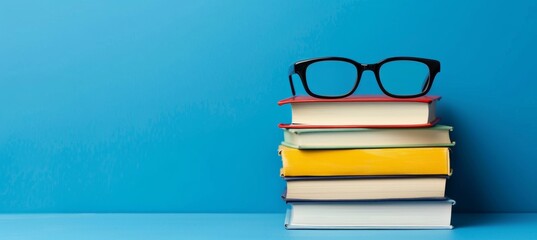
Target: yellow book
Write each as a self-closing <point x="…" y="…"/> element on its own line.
<point x="356" y="162"/>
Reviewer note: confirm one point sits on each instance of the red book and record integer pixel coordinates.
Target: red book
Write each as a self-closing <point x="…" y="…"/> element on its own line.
<point x="361" y="112"/>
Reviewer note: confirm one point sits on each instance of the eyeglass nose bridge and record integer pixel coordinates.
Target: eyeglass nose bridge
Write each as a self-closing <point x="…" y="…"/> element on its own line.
<point x="366" y="67"/>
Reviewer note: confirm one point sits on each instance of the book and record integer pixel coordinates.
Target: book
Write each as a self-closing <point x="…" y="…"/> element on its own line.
<point x="393" y="187"/>
<point x="361" y="111"/>
<point x="341" y="138"/>
<point x="365" y="162"/>
<point x="430" y="214"/>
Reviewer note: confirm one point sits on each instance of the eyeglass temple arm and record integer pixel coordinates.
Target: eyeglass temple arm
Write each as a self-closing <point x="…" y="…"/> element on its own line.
<point x="426" y="82"/>
<point x="291" y="72"/>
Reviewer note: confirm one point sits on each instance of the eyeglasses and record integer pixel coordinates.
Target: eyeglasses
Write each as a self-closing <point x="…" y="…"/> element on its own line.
<point x="337" y="77"/>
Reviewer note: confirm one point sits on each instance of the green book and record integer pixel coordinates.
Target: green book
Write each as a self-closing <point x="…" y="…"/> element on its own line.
<point x="344" y="138"/>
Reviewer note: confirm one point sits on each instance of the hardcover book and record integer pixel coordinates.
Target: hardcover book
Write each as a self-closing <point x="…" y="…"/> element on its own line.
<point x="341" y="138"/>
<point x="364" y="188"/>
<point x="425" y="214"/>
<point x="361" y="111"/>
<point x="365" y="162"/>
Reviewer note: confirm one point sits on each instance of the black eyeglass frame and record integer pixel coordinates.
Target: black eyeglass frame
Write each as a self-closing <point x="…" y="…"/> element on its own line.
<point x="300" y="68"/>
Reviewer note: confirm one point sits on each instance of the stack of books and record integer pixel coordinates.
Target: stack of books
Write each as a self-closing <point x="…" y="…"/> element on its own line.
<point x="366" y="162"/>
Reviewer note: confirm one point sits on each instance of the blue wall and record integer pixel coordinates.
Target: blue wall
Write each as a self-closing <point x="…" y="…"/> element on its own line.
<point x="165" y="106"/>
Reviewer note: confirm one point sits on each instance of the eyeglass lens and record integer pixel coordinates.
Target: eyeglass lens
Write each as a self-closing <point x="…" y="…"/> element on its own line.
<point x="331" y="78"/>
<point x="404" y="78"/>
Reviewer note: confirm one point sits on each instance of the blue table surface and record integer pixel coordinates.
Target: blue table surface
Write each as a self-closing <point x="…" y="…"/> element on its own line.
<point x="243" y="226"/>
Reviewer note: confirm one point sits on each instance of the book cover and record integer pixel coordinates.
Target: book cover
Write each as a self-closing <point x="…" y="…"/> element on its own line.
<point x="342" y="138"/>
<point x="350" y="162"/>
<point x="361" y="111"/>
<point x="407" y="214"/>
<point x="358" y="98"/>
<point x="362" y="188"/>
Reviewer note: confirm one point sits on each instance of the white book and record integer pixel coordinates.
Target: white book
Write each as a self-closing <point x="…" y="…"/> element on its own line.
<point x="354" y="188"/>
<point x="361" y="111"/>
<point x="433" y="214"/>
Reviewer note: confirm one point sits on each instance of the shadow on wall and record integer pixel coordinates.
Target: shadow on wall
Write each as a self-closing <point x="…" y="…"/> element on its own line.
<point x="465" y="186"/>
